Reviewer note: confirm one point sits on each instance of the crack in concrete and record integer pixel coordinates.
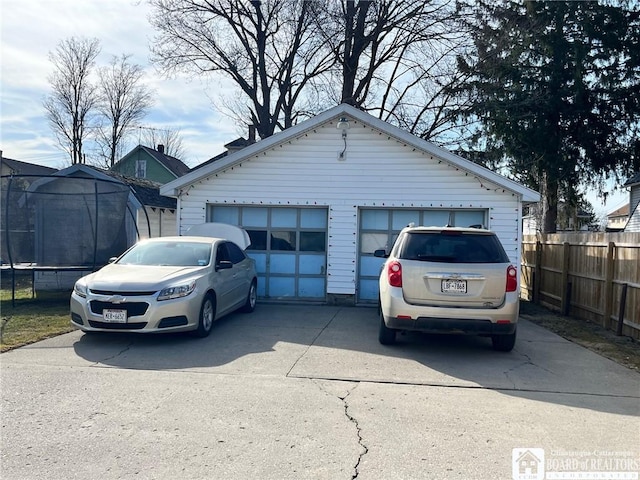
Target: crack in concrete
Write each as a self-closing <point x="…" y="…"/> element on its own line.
<point x="125" y="349"/>
<point x="354" y="420"/>
<point x="527" y="361"/>
<point x="344" y="399"/>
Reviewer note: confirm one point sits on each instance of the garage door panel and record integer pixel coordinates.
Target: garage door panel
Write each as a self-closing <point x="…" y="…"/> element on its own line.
<point x="261" y="262"/>
<point x="369" y="289"/>
<point x="380" y="227"/>
<point x="311" y="264"/>
<point x="370" y="266"/>
<point x="311" y="287"/>
<point x="282" y="287"/>
<point x="288" y="244"/>
<point x="280" y="263"/>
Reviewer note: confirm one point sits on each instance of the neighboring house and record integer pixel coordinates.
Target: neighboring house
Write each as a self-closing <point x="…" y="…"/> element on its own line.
<point x="9" y="166"/>
<point x="149" y="164"/>
<point x="232" y="147"/>
<point x="320" y="197"/>
<point x="617" y="220"/>
<point x="633" y="225"/>
<point x="569" y="220"/>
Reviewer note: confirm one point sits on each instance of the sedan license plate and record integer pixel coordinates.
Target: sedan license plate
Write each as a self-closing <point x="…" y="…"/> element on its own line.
<point x="114" y="316"/>
<point x="454" y="286"/>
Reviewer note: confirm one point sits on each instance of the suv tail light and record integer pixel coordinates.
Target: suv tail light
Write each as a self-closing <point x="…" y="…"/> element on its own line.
<point x="512" y="278"/>
<point x="394" y="274"/>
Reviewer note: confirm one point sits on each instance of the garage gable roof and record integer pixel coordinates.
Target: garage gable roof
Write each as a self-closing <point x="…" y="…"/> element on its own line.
<point x="173" y="188"/>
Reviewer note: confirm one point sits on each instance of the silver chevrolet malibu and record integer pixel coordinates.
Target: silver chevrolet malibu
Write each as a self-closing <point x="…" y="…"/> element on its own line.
<point x="169" y="284"/>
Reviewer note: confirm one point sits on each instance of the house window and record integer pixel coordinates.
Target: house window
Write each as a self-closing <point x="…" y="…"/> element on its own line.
<point x="141" y="168"/>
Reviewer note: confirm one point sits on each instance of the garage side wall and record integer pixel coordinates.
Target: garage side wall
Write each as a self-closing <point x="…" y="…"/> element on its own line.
<point x="376" y="170"/>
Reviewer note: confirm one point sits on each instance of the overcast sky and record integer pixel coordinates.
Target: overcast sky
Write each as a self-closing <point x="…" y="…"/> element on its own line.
<point x="32" y="28"/>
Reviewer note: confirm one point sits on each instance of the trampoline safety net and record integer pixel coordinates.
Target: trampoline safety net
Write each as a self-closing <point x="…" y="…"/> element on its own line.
<point x="57" y="221"/>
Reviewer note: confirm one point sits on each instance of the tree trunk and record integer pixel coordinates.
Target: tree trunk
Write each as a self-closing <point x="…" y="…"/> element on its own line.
<point x="549" y="204"/>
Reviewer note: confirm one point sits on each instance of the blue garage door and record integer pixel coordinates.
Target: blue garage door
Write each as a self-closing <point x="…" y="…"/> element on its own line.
<point x="289" y="246"/>
<point x="379" y="228"/>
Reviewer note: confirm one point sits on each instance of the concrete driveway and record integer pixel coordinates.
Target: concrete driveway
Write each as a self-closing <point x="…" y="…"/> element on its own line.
<point x="295" y="392"/>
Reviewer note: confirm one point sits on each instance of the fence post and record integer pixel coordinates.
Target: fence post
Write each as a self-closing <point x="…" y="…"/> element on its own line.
<point x="565" y="299"/>
<point x="537" y="269"/>
<point x="608" y="285"/>
<point x="623" y="301"/>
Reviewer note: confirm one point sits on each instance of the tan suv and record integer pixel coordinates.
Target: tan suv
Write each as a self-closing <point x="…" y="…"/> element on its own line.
<point x="449" y="280"/>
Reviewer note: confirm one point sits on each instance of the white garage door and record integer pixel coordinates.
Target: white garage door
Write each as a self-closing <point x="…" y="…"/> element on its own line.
<point x="380" y="227"/>
<point x="289" y="246"/>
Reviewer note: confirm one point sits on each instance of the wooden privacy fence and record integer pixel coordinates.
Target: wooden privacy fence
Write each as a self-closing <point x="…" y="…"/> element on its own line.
<point x="589" y="275"/>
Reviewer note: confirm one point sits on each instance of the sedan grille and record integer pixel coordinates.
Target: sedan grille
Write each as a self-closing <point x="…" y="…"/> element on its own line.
<point x="134" y="309"/>
<point x="118" y="326"/>
<point x="123" y="293"/>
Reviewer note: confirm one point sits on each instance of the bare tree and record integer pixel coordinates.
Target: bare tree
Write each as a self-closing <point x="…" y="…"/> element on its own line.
<point x="270" y="50"/>
<point x="74" y="95"/>
<point x="396" y="58"/>
<point x="170" y="139"/>
<point x="293" y="58"/>
<point x="124" y="101"/>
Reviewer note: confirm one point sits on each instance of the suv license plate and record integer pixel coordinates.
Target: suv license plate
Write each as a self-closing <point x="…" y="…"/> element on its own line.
<point x="114" y="316"/>
<point x="454" y="286"/>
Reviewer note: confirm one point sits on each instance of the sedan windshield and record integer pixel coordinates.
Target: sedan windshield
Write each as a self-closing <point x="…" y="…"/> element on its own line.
<point x="178" y="254"/>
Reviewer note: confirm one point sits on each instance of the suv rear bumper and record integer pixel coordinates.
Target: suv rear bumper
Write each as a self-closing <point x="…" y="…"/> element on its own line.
<point x="400" y="315"/>
<point x="450" y="325"/>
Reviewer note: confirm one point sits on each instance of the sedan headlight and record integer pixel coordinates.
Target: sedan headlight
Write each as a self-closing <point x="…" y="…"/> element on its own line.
<point x="177" y="291"/>
<point x="80" y="289"/>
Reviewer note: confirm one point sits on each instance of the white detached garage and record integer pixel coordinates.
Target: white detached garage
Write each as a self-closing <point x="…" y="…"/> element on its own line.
<point x="319" y="198"/>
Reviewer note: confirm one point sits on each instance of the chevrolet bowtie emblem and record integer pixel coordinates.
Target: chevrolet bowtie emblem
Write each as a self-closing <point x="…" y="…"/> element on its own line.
<point x="117" y="299"/>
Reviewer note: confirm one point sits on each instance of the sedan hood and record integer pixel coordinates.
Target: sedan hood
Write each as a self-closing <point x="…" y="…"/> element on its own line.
<point x="137" y="277"/>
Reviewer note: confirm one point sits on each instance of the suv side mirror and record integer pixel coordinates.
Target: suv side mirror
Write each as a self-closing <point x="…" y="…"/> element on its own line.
<point x="382" y="253"/>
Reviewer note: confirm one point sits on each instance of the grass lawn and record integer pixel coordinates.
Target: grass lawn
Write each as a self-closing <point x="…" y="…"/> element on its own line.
<point x="31" y="320"/>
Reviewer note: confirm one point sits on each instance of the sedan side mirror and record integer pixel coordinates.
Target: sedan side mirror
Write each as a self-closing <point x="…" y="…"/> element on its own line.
<point x="382" y="253"/>
<point x="224" y="265"/>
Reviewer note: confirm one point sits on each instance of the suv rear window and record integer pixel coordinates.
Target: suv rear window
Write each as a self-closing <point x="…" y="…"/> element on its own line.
<point x="452" y="247"/>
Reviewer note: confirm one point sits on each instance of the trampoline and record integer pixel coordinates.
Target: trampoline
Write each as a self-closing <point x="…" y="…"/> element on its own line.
<point x="63" y="223"/>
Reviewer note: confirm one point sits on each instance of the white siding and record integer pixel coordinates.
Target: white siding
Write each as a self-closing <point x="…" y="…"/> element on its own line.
<point x="379" y="171"/>
<point x="633" y="225"/>
<point x="162" y="222"/>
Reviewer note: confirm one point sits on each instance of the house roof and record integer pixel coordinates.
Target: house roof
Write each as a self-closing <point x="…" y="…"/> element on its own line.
<point x="634" y="180"/>
<point x="620" y="212"/>
<point x="176" y="166"/>
<point x="146" y="192"/>
<point x="24" y="168"/>
<point x="234" y="145"/>
<point x="173" y="188"/>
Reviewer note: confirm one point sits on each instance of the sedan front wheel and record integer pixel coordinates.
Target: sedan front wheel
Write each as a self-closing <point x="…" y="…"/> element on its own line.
<point x="207" y="316"/>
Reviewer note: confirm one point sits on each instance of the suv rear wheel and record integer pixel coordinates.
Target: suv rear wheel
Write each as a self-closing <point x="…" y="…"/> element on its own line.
<point x="386" y="335"/>
<point x="504" y="343"/>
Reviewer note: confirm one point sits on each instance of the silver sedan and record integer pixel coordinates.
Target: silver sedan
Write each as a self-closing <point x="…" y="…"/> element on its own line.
<point x="166" y="284"/>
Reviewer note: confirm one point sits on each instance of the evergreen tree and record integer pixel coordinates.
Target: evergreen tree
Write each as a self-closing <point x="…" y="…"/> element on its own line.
<point x="556" y="88"/>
